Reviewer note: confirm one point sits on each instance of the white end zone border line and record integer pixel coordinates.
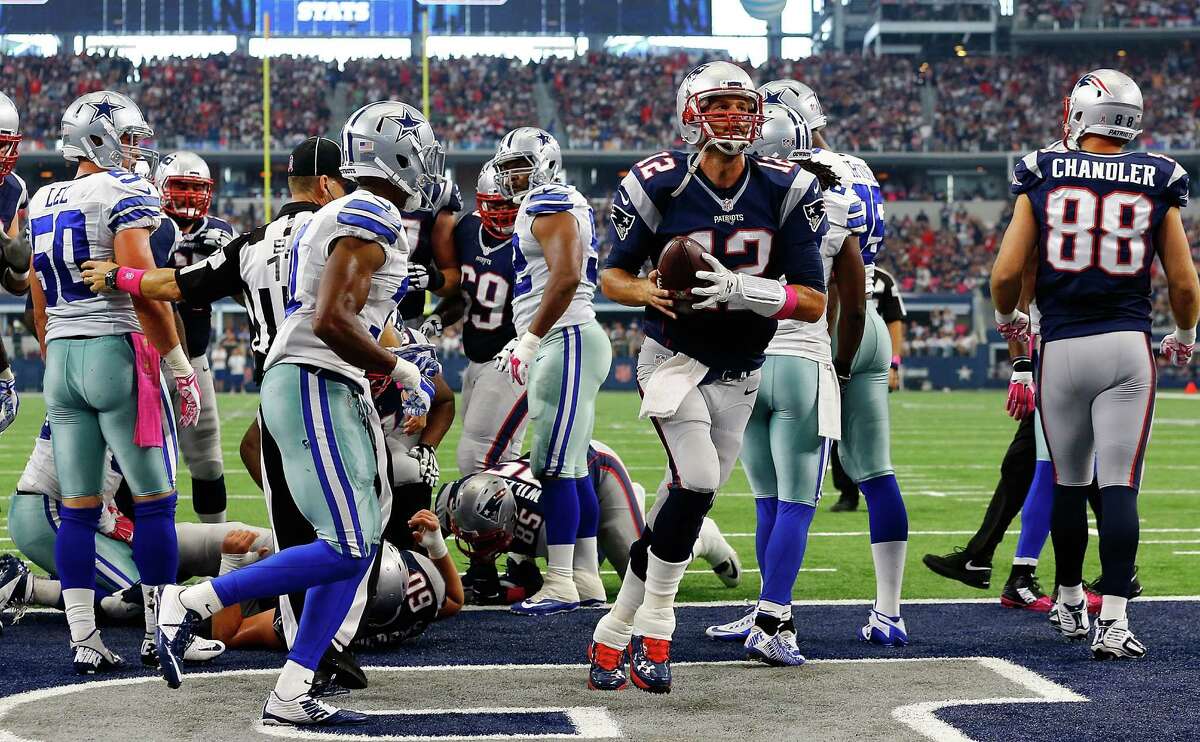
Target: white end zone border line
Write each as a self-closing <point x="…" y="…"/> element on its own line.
<point x="595" y="722"/>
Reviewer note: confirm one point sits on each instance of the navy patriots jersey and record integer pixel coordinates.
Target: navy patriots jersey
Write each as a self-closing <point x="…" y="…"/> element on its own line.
<point x="418" y="227"/>
<point x="163" y="243"/>
<point x="769" y="223"/>
<point x="423" y="597"/>
<point x="1097" y="217"/>
<point x="197" y="319"/>
<point x="487" y="284"/>
<point x="13" y="198"/>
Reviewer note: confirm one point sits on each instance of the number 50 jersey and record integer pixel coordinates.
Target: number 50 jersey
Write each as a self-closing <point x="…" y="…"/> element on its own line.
<point x="75" y="221"/>
<point x="1097" y="216"/>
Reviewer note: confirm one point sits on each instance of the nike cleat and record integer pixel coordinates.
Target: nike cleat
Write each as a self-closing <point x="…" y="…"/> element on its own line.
<point x="14" y="577"/>
<point x="176" y="626"/>
<point x="1114" y="641"/>
<point x="884" y="630"/>
<point x="729" y="571"/>
<point x="558" y="595"/>
<point x="773" y="649"/>
<point x="650" y="662"/>
<point x="200" y="650"/>
<point x="719" y="553"/>
<point x="1071" y="621"/>
<point x="342" y="667"/>
<point x="91" y="657"/>
<point x="846" y="503"/>
<point x="734" y="631"/>
<point x="607" y="670"/>
<point x="307" y="711"/>
<point x="1023" y="591"/>
<point x="959" y="565"/>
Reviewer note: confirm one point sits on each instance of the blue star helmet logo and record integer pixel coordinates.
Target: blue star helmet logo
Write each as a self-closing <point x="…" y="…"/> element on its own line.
<point x="408" y="124"/>
<point x="774" y="97"/>
<point x="544" y="138"/>
<point x="105" y="109"/>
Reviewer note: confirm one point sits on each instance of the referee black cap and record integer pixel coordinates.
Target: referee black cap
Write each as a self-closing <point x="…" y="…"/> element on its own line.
<point x="316" y="156"/>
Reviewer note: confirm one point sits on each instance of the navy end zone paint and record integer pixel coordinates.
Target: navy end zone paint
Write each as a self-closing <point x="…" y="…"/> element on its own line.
<point x="1152" y="699"/>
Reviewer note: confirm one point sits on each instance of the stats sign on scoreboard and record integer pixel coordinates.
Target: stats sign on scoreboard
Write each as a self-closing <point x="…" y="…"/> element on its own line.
<point x="338" y="17"/>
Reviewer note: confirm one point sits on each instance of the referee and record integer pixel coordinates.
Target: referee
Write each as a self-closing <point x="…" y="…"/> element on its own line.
<point x="254" y="267"/>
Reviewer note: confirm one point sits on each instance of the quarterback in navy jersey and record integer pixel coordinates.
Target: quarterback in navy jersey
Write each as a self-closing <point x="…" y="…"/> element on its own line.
<point x="187" y="191"/>
<point x="1089" y="220"/>
<point x="760" y="220"/>
<point x="495" y="411"/>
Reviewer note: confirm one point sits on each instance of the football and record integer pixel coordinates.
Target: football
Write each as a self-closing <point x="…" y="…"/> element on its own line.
<point x="677" y="266"/>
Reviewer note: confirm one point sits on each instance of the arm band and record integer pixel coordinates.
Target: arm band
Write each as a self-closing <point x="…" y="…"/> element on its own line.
<point x="791" y="298"/>
<point x="128" y="280"/>
<point x="896" y="362"/>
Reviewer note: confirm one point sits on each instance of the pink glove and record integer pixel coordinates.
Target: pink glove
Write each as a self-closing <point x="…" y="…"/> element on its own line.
<point x="189" y="399"/>
<point x="1177" y="349"/>
<point x="1021" y="398"/>
<point x="1014" y="326"/>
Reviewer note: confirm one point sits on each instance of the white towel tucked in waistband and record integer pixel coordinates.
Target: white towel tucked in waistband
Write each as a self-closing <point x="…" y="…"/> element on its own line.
<point x="829" y="403"/>
<point x="669" y="384"/>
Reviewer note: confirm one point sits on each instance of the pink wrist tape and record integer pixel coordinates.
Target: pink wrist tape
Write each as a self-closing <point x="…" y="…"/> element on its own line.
<point x="129" y="280"/>
<point x="790" y="299"/>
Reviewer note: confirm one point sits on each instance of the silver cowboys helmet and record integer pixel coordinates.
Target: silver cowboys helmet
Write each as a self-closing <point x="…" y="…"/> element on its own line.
<point x="390" y="588"/>
<point x="483" y="516"/>
<point x="95" y="124"/>
<point x="729" y="131"/>
<point x="393" y="141"/>
<point x="10" y="135"/>
<point x="186" y="184"/>
<point x="785" y="136"/>
<point x="1104" y="102"/>
<point x="797" y="96"/>
<point x="527" y="151"/>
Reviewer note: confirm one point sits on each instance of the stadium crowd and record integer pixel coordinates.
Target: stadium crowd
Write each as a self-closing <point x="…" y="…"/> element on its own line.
<point x="606" y="101"/>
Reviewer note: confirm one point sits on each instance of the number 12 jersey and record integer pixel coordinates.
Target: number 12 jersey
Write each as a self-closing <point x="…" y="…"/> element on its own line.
<point x="1098" y="217"/>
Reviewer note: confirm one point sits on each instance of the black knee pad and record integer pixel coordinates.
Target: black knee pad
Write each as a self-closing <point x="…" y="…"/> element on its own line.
<point x="208" y="496"/>
<point x="678" y="523"/>
<point x="638" y="554"/>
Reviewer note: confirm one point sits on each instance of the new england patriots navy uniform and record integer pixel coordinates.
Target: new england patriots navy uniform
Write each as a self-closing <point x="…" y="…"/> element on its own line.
<point x="487" y="283"/>
<point x="163" y="243"/>
<point x="418" y="226"/>
<point x="197" y="319"/>
<point x="14" y="197"/>
<point x="1097" y="217"/>
<point x="768" y="224"/>
<point x="423" y="597"/>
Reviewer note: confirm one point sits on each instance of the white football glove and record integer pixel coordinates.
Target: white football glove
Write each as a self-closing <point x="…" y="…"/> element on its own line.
<point x="427" y="463"/>
<point x="214" y="239"/>
<point x="418" y="399"/>
<point x="521" y="356"/>
<point x="10" y="402"/>
<point x="764" y="296"/>
<point x="1013" y="326"/>
<point x="186" y="385"/>
<point x="500" y="360"/>
<point x="1178" y="347"/>
<point x="432" y="326"/>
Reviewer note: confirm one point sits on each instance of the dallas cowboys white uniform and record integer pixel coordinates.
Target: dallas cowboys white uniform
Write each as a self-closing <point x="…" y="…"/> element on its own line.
<point x="574" y="357"/>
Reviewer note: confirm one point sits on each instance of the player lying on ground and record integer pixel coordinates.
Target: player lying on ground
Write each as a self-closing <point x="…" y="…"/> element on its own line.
<point x="1089" y="220"/>
<point x="499" y="511"/>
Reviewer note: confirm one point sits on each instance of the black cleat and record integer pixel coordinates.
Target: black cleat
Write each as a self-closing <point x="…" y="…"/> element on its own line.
<point x="845" y="504"/>
<point x="341" y="667"/>
<point x="1023" y="591"/>
<point x="1135" y="586"/>
<point x="959" y="565"/>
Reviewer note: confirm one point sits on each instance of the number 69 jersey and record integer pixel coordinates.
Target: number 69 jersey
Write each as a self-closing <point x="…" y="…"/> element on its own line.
<point x="770" y="223"/>
<point x="367" y="217"/>
<point x="487" y="280"/>
<point x="1097" y="216"/>
<point x="75" y="221"/>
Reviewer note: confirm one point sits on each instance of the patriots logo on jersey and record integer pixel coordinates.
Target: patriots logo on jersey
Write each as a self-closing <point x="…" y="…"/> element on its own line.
<point x="815" y="212"/>
<point x="622" y="221"/>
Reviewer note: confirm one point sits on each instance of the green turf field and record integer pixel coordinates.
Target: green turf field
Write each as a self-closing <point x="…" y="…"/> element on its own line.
<point x="946" y="446"/>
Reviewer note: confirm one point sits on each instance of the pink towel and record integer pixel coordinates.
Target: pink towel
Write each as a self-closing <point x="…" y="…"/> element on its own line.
<point x="148" y="432"/>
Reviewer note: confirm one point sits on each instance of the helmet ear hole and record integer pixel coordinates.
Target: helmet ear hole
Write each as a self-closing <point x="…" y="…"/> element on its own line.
<point x="402" y="161"/>
<point x="95" y="140"/>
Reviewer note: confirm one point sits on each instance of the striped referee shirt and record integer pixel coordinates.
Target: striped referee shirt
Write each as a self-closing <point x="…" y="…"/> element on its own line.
<point x="253" y="268"/>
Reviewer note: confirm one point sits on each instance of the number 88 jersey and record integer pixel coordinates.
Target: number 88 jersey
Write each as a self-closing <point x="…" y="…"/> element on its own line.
<point x="1098" y="217"/>
<point x="487" y="280"/>
<point x="75" y="221"/>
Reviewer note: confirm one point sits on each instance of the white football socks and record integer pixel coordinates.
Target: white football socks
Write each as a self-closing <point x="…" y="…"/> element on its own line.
<point x="295" y="680"/>
<point x="1072" y="595"/>
<point x="41" y="591"/>
<point x="656" y="616"/>
<point x="1025" y="561"/>
<point x="1113" y="608"/>
<point x="889" y="575"/>
<point x="148" y="602"/>
<point x="202" y="599"/>
<point x="81" y="613"/>
<point x="560" y="559"/>
<point x="587" y="555"/>
<point x="616" y="626"/>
